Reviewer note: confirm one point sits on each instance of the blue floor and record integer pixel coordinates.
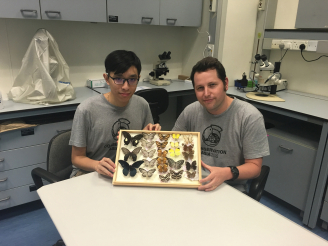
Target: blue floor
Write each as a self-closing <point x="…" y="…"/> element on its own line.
<point x="30" y="224"/>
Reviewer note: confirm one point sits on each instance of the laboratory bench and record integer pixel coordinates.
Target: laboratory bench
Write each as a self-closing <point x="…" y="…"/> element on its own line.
<point x="297" y="135"/>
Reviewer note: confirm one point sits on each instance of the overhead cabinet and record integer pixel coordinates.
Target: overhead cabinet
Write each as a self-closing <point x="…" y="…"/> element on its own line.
<point x="156" y="12"/>
<point x="74" y="10"/>
<point x="22" y="9"/>
<point x="312" y="14"/>
<point x="133" y="12"/>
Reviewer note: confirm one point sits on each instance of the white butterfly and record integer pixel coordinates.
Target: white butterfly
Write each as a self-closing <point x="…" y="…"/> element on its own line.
<point x="147" y="174"/>
<point x="149" y="154"/>
<point x="146" y="144"/>
<point x="148" y="136"/>
<point x="188" y="139"/>
<point x="149" y="163"/>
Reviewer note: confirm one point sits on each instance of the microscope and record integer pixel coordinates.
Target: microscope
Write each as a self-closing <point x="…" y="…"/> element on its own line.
<point x="269" y="77"/>
<point x="159" y="69"/>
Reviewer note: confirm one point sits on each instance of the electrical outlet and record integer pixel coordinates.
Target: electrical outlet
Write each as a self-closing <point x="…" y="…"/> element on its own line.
<point x="297" y="43"/>
<point x="275" y="43"/>
<point x="288" y="44"/>
<point x="312" y="45"/>
<point x="210" y="49"/>
<point x="261" y="5"/>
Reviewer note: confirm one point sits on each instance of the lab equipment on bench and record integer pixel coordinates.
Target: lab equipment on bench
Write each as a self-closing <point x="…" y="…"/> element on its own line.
<point x="160" y="69"/>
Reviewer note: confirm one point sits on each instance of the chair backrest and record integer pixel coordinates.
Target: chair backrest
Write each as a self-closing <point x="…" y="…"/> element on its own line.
<point x="257" y="185"/>
<point x="158" y="100"/>
<point x="59" y="155"/>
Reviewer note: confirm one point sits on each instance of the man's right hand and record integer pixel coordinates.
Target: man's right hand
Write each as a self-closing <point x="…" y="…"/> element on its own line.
<point x="105" y="167"/>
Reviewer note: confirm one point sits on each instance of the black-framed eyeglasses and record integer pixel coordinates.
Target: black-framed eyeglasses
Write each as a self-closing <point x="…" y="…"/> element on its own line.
<point x="121" y="81"/>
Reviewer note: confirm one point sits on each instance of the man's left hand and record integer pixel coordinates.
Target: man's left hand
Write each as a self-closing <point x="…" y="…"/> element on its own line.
<point x="153" y="127"/>
<point x="217" y="176"/>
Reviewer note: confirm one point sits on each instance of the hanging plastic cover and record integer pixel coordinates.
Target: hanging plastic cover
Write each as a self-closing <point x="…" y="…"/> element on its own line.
<point x="44" y="75"/>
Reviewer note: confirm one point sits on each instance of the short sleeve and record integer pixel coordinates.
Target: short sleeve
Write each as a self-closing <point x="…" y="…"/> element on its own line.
<point x="255" y="140"/>
<point x="79" y="129"/>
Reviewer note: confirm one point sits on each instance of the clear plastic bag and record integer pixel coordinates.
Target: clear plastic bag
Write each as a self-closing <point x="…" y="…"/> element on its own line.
<point x="44" y="75"/>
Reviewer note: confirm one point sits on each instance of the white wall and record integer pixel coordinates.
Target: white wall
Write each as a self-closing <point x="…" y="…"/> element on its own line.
<point x="237" y="32"/>
<point x="86" y="45"/>
<point x="309" y="77"/>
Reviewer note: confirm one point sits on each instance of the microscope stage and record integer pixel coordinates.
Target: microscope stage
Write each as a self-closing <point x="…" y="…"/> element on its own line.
<point x="159" y="82"/>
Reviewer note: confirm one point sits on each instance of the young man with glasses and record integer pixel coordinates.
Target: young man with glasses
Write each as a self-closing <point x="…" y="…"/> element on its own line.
<point x="98" y="120"/>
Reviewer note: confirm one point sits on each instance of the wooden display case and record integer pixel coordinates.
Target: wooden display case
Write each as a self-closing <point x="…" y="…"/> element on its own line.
<point x="158" y="158"/>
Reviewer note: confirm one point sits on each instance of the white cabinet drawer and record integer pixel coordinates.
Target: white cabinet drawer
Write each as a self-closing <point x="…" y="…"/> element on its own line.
<point x="22" y="157"/>
<point x="17" y="177"/>
<point x="291" y="167"/>
<point x="42" y="134"/>
<point x="17" y="196"/>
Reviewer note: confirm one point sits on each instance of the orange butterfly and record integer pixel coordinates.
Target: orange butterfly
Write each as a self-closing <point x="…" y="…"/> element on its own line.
<point x="161" y="160"/>
<point x="162" y="153"/>
<point x="162" y="168"/>
<point x="161" y="145"/>
<point x="163" y="137"/>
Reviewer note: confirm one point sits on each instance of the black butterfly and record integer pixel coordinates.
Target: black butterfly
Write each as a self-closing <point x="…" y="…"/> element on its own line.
<point x="132" y="154"/>
<point x="130" y="168"/>
<point x="129" y="139"/>
<point x="192" y="166"/>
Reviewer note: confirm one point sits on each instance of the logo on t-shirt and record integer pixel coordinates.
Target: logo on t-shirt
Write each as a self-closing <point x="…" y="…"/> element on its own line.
<point x="212" y="135"/>
<point x="120" y="124"/>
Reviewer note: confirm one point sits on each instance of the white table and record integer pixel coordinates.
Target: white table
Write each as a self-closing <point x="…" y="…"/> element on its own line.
<point x="89" y="210"/>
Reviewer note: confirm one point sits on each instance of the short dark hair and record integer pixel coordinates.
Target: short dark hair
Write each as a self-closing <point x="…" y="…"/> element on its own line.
<point x="119" y="61"/>
<point x="206" y="64"/>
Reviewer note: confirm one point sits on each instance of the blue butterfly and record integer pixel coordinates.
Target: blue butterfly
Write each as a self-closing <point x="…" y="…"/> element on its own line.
<point x="130" y="168"/>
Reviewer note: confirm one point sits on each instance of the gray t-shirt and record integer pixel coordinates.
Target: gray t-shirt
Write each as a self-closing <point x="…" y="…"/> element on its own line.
<point x="97" y="122"/>
<point x="229" y="138"/>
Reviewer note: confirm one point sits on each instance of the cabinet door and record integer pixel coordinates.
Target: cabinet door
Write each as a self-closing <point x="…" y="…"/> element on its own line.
<point x="24" y="9"/>
<point x="74" y="10"/>
<point x="133" y="12"/>
<point x="312" y="14"/>
<point x="291" y="167"/>
<point x="181" y="12"/>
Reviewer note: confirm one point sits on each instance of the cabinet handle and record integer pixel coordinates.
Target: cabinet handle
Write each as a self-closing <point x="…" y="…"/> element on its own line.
<point x="170" y="19"/>
<point x="2" y="159"/>
<point x="48" y="13"/>
<point x="5" y="199"/>
<point x="147" y="19"/>
<point x="23" y="11"/>
<point x="3" y="180"/>
<point x="284" y="148"/>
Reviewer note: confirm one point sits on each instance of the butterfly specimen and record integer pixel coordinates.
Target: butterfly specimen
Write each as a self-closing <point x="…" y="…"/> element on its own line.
<point x="161" y="160"/>
<point x="174" y="152"/>
<point x="163" y="137"/>
<point x="165" y="178"/>
<point x="161" y="153"/>
<point x="162" y="168"/>
<point x="191" y="175"/>
<point x="175" y="165"/>
<point x="176" y="175"/>
<point x="188" y="139"/>
<point x="133" y="154"/>
<point x="147" y="174"/>
<point x="148" y="136"/>
<point x="130" y="168"/>
<point x="174" y="144"/>
<point x="149" y="154"/>
<point x="161" y="145"/>
<point x="175" y="136"/>
<point x="188" y="148"/>
<point x="146" y="144"/>
<point x="191" y="166"/>
<point x="129" y="139"/>
<point x="149" y="163"/>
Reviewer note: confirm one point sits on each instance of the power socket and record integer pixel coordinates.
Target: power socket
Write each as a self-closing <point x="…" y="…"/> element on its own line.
<point x="312" y="45"/>
<point x="288" y="44"/>
<point x="210" y="50"/>
<point x="275" y="43"/>
<point x="297" y="43"/>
